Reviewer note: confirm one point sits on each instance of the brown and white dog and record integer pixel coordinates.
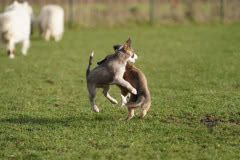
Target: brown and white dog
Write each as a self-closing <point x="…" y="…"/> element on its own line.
<point x="138" y="80"/>
<point x="110" y="72"/>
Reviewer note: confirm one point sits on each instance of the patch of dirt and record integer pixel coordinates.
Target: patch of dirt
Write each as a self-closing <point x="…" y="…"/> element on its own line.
<point x="49" y="81"/>
<point x="232" y="121"/>
<point x="19" y="107"/>
<point x="209" y="120"/>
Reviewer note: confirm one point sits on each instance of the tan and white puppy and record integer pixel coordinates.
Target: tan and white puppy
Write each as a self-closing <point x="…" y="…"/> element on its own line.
<point x="143" y="99"/>
<point x="138" y="80"/>
<point x="108" y="73"/>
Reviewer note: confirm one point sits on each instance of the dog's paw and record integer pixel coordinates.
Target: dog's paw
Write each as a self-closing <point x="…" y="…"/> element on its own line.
<point x="95" y="109"/>
<point x="11" y="56"/>
<point x="134" y="91"/>
<point x="122" y="105"/>
<point x="114" y="101"/>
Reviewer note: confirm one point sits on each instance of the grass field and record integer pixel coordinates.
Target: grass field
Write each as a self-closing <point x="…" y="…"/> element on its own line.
<point x="193" y="73"/>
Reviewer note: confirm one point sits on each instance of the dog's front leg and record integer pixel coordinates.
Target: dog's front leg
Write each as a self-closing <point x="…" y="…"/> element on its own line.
<point x="124" y="95"/>
<point x="126" y="84"/>
<point x="123" y="100"/>
<point x="107" y="95"/>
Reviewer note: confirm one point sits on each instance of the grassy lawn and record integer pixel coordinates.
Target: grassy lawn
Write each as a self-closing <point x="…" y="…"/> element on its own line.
<point x="193" y="73"/>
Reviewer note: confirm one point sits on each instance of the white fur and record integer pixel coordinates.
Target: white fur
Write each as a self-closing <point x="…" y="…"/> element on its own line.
<point x="134" y="58"/>
<point x="123" y="100"/>
<point x="51" y="22"/>
<point x="15" y="26"/>
<point x="11" y="56"/>
<point x="120" y="48"/>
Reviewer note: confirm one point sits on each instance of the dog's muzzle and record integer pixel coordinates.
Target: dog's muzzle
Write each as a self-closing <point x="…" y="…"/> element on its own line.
<point x="133" y="58"/>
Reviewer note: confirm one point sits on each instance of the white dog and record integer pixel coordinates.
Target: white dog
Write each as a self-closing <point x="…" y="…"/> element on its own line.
<point x="51" y="22"/>
<point x="15" y="25"/>
<point x="28" y="8"/>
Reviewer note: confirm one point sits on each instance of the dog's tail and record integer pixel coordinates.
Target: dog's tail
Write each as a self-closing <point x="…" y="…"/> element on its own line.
<point x="136" y="104"/>
<point x="90" y="63"/>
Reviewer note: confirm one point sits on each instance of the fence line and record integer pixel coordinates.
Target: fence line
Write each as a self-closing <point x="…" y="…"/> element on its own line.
<point x="121" y="12"/>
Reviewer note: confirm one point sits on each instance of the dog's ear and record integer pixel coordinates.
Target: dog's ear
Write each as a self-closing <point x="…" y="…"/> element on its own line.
<point x="25" y="3"/>
<point x="127" y="44"/>
<point x="15" y="2"/>
<point x="117" y="47"/>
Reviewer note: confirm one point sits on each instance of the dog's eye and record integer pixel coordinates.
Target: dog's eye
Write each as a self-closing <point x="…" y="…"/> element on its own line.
<point x="132" y="56"/>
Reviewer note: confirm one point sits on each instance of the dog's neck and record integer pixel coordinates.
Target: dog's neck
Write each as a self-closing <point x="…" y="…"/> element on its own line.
<point x="129" y="65"/>
<point x="123" y="57"/>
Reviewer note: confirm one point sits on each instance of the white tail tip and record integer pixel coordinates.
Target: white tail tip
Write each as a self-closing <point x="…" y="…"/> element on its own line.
<point x="92" y="54"/>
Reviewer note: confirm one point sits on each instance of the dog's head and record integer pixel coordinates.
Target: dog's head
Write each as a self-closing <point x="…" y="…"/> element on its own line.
<point x="126" y="49"/>
<point x="17" y="5"/>
<point x="12" y="6"/>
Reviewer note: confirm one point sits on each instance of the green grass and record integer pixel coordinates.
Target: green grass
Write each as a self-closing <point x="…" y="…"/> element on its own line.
<point x="193" y="74"/>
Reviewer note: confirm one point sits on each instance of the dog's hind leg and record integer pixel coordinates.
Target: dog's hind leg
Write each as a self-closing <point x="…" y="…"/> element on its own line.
<point x="47" y="35"/>
<point x="11" y="49"/>
<point x="91" y="95"/>
<point x="126" y="84"/>
<point x="130" y="114"/>
<point x="107" y="95"/>
<point x="25" y="46"/>
<point x="145" y="108"/>
<point x="57" y="37"/>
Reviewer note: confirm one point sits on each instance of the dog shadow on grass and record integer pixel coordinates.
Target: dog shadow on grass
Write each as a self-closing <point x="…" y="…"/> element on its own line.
<point x="64" y="121"/>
